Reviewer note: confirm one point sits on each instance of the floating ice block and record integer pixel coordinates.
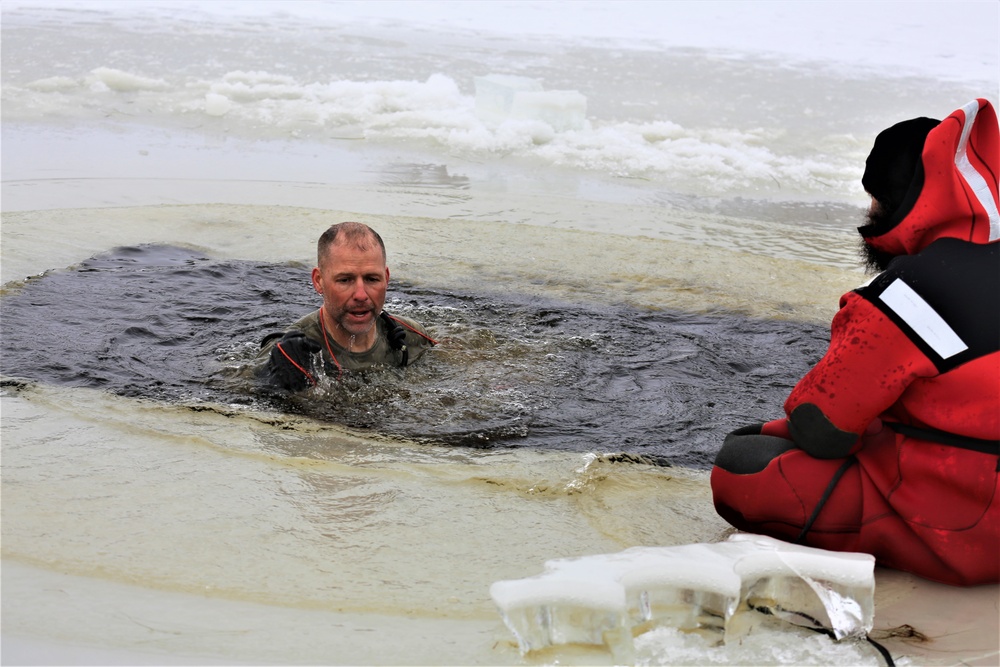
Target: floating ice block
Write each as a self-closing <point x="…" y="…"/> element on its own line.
<point x="719" y="588"/>
<point x="495" y="94"/>
<point x="500" y="98"/>
<point x="561" y="109"/>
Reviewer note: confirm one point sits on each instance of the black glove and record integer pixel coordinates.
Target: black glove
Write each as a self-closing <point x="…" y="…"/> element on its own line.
<point x="293" y="349"/>
<point x="746" y="450"/>
<point x="396" y="335"/>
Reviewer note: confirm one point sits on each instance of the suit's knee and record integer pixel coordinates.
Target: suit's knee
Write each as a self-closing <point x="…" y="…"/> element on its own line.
<point x="745" y="453"/>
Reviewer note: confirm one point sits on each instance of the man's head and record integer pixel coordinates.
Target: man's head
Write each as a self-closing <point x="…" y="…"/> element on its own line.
<point x="894" y="160"/>
<point x="352" y="277"/>
<point x="893" y="177"/>
<point x="352" y="233"/>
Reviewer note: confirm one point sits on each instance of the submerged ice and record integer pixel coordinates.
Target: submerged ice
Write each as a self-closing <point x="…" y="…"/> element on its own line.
<point x="721" y="590"/>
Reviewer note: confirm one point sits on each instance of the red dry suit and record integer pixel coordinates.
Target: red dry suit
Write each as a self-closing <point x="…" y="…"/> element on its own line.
<point x="890" y="443"/>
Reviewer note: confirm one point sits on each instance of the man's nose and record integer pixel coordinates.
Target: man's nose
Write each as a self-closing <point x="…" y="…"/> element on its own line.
<point x="360" y="294"/>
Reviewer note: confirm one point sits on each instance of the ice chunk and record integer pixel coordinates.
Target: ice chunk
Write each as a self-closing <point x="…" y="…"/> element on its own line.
<point x="544" y="612"/>
<point x="808" y="587"/>
<point x="500" y="98"/>
<point x="584" y="604"/>
<point x="495" y="94"/>
<point x="561" y="109"/>
<point x="124" y="82"/>
<point x="53" y="84"/>
<point x="689" y="587"/>
<point x="217" y="105"/>
<point x="715" y="589"/>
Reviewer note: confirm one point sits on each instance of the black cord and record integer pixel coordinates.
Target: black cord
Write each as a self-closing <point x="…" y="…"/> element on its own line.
<point x="883" y="650"/>
<point x="826" y="496"/>
<point x="818" y="627"/>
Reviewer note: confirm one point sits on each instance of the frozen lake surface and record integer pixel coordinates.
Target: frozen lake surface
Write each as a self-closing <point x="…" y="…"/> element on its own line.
<point x="643" y="251"/>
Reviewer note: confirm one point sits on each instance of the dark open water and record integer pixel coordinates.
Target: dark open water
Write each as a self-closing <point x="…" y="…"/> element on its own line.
<point x="511" y="370"/>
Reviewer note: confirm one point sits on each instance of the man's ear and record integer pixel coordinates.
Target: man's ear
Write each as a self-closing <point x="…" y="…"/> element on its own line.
<point x="387" y="274"/>
<point x="317" y="279"/>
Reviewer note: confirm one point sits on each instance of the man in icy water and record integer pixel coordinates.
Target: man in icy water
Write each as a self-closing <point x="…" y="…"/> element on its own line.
<point x="350" y="331"/>
<point x="890" y="443"/>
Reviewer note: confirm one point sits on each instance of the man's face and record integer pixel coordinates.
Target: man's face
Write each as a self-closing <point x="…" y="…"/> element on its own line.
<point x="353" y="284"/>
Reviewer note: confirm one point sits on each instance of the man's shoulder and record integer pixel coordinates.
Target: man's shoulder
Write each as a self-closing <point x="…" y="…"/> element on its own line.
<point x="415" y="330"/>
<point x="939" y="297"/>
<point x="309" y="325"/>
<point x="416" y="337"/>
<point x="946" y="269"/>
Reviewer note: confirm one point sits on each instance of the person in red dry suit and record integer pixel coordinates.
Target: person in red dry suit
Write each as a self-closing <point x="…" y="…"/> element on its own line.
<point x="890" y="443"/>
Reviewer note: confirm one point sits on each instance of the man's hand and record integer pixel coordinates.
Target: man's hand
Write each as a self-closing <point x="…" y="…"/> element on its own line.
<point x="396" y="335"/>
<point x="290" y="365"/>
<point x="750" y="449"/>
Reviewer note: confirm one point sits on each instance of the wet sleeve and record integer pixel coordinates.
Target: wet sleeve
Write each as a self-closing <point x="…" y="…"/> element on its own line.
<point x="308" y="325"/>
<point x="869" y="364"/>
<point x="267" y="344"/>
